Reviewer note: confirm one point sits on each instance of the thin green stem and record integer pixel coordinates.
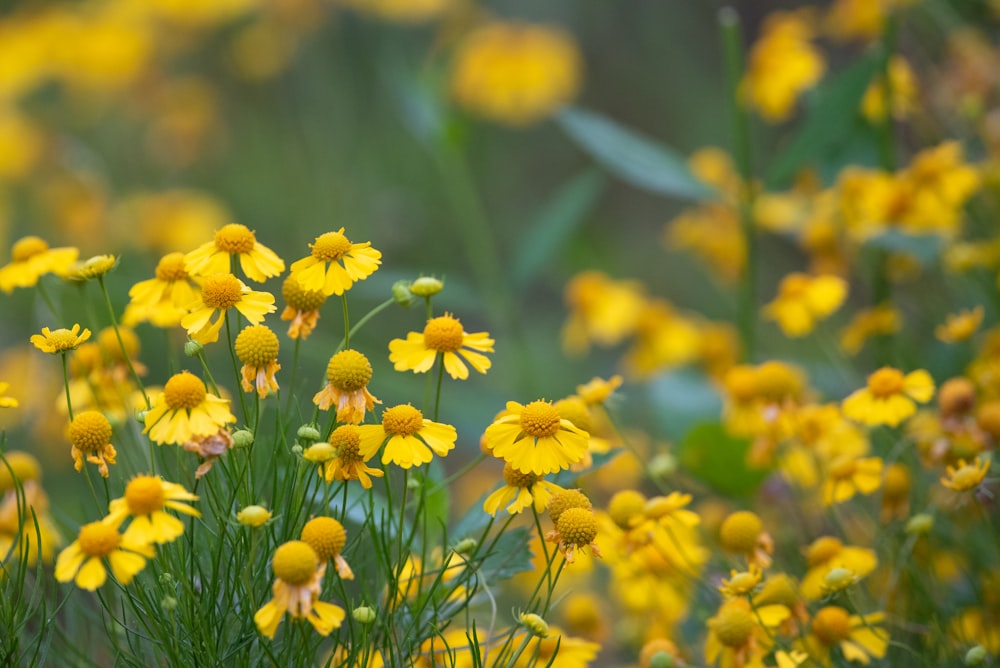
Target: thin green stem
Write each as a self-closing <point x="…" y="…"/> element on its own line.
<point x="347" y="322"/>
<point x="361" y="323"/>
<point x="65" y="368"/>
<point x="440" y="376"/>
<point x="236" y="369"/>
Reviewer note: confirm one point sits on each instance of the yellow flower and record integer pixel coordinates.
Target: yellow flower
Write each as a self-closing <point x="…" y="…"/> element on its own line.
<point x="576" y="528"/>
<point x="848" y="475"/>
<point x="859" y="639"/>
<point x="557" y="649"/>
<point x="253" y="516"/>
<point x="30" y="259"/>
<point x="408" y="436"/>
<point x="739" y="635"/>
<point x="535" y="438"/>
<point x="327" y="537"/>
<point x="965" y="477"/>
<point x="741" y="583"/>
<point x="443" y="335"/>
<point x="162" y="300"/>
<point x="803" y="300"/>
<point x="602" y="310"/>
<point x="257" y="261"/>
<point x="186" y="411"/>
<point x="60" y="340"/>
<point x="825" y="554"/>
<point x="347" y="376"/>
<point x="5" y="401"/>
<point x="520" y="491"/>
<point x="302" y="309"/>
<point x="298" y="574"/>
<point x="782" y="65"/>
<point x="880" y="320"/>
<point x="145" y="498"/>
<point x="743" y="533"/>
<point x="889" y="397"/>
<point x="663" y="338"/>
<point x="350" y="463"/>
<point x="903" y="86"/>
<point x="335" y="264"/>
<point x="90" y="436"/>
<point x="83" y="562"/>
<point x="711" y="231"/>
<point x="515" y="73"/>
<point x="960" y="326"/>
<point x="257" y="347"/>
<point x="219" y="293"/>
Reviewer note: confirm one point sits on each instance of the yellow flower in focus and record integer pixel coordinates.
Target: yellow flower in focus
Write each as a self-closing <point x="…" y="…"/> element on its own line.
<point x="219" y="293"/>
<point x="848" y="475"/>
<point x="601" y="310"/>
<point x="535" y="438"/>
<point x="297" y="573"/>
<point x="302" y="309"/>
<point x="827" y="553"/>
<point x="90" y="436"/>
<point x="443" y="335"/>
<point x="83" y="563"/>
<point x="162" y="300"/>
<point x="186" y="411"/>
<point x="889" y="397"/>
<point x="576" y="528"/>
<point x="516" y="73"/>
<point x="257" y="261"/>
<point x="960" y="326"/>
<point x="859" y="638"/>
<point x="335" y="264"/>
<point x="5" y="401"/>
<point x="803" y="300"/>
<point x="60" y="340"/>
<point x="783" y="63"/>
<point x="408" y="436"/>
<point x="903" y="86"/>
<point x="257" y="347"/>
<point x="327" y="537"/>
<point x="404" y="11"/>
<point x="145" y="498"/>
<point x="350" y="463"/>
<point x="520" y="490"/>
<point x="347" y="375"/>
<point x="880" y="320"/>
<point x="965" y="477"/>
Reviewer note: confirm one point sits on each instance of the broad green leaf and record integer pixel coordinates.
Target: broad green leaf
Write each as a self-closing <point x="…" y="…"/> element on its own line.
<point x="555" y="224"/>
<point x="510" y="556"/>
<point x="638" y="160"/>
<point x="719" y="459"/>
<point x="924" y="247"/>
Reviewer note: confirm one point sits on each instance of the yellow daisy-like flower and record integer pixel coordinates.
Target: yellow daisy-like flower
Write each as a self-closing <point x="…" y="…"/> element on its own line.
<point x="804" y="300"/>
<point x="350" y="463"/>
<point x="303" y="308"/>
<point x="741" y="583"/>
<point x="82" y="561"/>
<point x="162" y="300"/>
<point x="335" y="264"/>
<point x="960" y="326"/>
<point x="186" y="411"/>
<point x="257" y="261"/>
<point x="965" y="477"/>
<point x="5" y="401"/>
<point x="91" y="268"/>
<point x="219" y="293"/>
<point x="90" y="436"/>
<point x="520" y="490"/>
<point x="347" y="376"/>
<point x="576" y="528"/>
<point x="257" y="347"/>
<point x="827" y="553"/>
<point x="859" y="638"/>
<point x="880" y="320"/>
<point x="327" y="537"/>
<point x="30" y="259"/>
<point x="408" y="436"/>
<point x="442" y="335"/>
<point x="298" y="574"/>
<point x="849" y="475"/>
<point x="739" y="635"/>
<point x="60" y="340"/>
<point x="535" y="438"/>
<point x="890" y="397"/>
<point x="145" y="498"/>
<point x="743" y="533"/>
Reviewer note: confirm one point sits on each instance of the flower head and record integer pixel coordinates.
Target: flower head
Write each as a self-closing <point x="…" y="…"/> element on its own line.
<point x="520" y="490"/>
<point x="803" y="300"/>
<point x="253" y="516"/>
<point x="347" y="376"/>
<point x="302" y="309"/>
<point x="219" y="293"/>
<point x="743" y="533"/>
<point x="91" y="268"/>
<point x="31" y="258"/>
<point x="960" y="326"/>
<point x="146" y="497"/>
<point x="257" y="261"/>
<point x="740" y="635"/>
<point x="828" y="553"/>
<point x="408" y="436"/>
<point x="443" y="335"/>
<point x="349" y="462"/>
<point x="535" y="438"/>
<point x="327" y="537"/>
<point x="849" y="474"/>
<point x="6" y="401"/>
<point x="859" y="638"/>
<point x="90" y="436"/>
<point x="60" y="340"/>
<point x="186" y="411"/>
<point x="965" y="477"/>
<point x="257" y="347"/>
<point x="298" y="573"/>
<point x="889" y="397"/>
<point x="83" y="560"/>
<point x="741" y="583"/>
<point x="163" y="299"/>
<point x="335" y="264"/>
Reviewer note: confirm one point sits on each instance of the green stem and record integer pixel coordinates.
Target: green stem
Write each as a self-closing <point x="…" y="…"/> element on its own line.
<point x="440" y="377"/>
<point x="360" y="323"/>
<point x="44" y="294"/>
<point x="69" y="404"/>
<point x="121" y="343"/>
<point x="236" y="369"/>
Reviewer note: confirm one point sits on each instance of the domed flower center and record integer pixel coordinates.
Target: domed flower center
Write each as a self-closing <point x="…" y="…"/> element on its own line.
<point x="885" y="382"/>
<point x="564" y="500"/>
<point x="403" y="420"/>
<point x="775" y="381"/>
<point x="235" y="238"/>
<point x="516" y="478"/>
<point x="184" y="390"/>
<point x="739" y="532"/>
<point x="98" y="539"/>
<point x="733" y="625"/>
<point x="540" y="419"/>
<point x="625" y="505"/>
<point x="299" y="298"/>
<point x="27" y="248"/>
<point x="90" y="431"/>
<point x="295" y="562"/>
<point x="347" y="439"/>
<point x="443" y="334"/>
<point x="843" y="467"/>
<point x="577" y="526"/>
<point x="831" y="625"/>
<point x="257" y="345"/>
<point x="349" y="371"/>
<point x="330" y="246"/>
<point x="144" y="495"/>
<point x="62" y="339"/>
<point x="325" y="535"/>
<point x="221" y="291"/>
<point x="741" y="383"/>
<point x="575" y="410"/>
<point x="823" y="549"/>
<point x="170" y="268"/>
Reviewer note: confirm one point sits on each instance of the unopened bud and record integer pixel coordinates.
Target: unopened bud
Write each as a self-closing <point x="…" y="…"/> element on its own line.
<point x="414" y="484"/>
<point x="920" y="524"/>
<point x="192" y="348"/>
<point x="662" y="660"/>
<point x="838" y="579"/>
<point x="401" y="293"/>
<point x="308" y="432"/>
<point x="363" y="614"/>
<point x="535" y="624"/>
<point x="166" y="579"/>
<point x="466" y="546"/>
<point x="297" y="449"/>
<point x="975" y="656"/>
<point x="319" y="453"/>
<point x="253" y="516"/>
<point x="140" y="417"/>
<point x="169" y="603"/>
<point x="662" y="466"/>
<point x="426" y="286"/>
<point x="242" y="438"/>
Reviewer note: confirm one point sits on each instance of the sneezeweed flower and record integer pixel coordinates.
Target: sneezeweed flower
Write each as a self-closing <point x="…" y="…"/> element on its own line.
<point x="219" y="293"/>
<point x="443" y="336"/>
<point x="966" y="477"/>
<point x="146" y="497"/>
<point x="257" y="347"/>
<point x="163" y="299"/>
<point x="298" y="573"/>
<point x="535" y="439"/>
<point x="6" y="401"/>
<point x="576" y="528"/>
<point x="349" y="461"/>
<point x="302" y="308"/>
<point x="896" y="492"/>
<point x="741" y="583"/>
<point x="335" y="264"/>
<point x="91" y="268"/>
<point x="90" y="436"/>
<point x="60" y="340"/>
<point x="30" y="259"/>
<point x="827" y="553"/>
<point x="743" y="533"/>
<point x="253" y="516"/>
<point x="83" y="563"/>
<point x="960" y="326"/>
<point x="878" y="321"/>
<point x="327" y="537"/>
<point x="739" y="635"/>
<point x="902" y="87"/>
<point x="889" y="397"/>
<point x="859" y="638"/>
<point x="209" y="448"/>
<point x="601" y="310"/>
<point x="186" y="411"/>
<point x="848" y="475"/>
<point x="536" y="626"/>
<point x="408" y="437"/>
<point x="257" y="261"/>
<point x="347" y="376"/>
<point x="804" y="300"/>
<point x="515" y="73"/>
<point x="520" y="490"/>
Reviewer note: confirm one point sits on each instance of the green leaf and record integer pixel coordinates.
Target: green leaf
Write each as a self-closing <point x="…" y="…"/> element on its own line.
<point x="830" y="122"/>
<point x="438" y="500"/>
<point x="924" y="247"/>
<point x="510" y="556"/>
<point x="555" y="224"/>
<point x="638" y="160"/>
<point x="719" y="459"/>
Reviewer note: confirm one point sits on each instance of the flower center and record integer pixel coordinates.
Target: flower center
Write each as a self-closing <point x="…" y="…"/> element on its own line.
<point x="90" y="431"/>
<point x="823" y="549"/>
<point x="98" y="539"/>
<point x="831" y="625"/>
<point x="257" y="345"/>
<point x="62" y="339"/>
<point x="330" y="246"/>
<point x="235" y="238"/>
<point x="347" y="439"/>
<point x="843" y="467"/>
<point x="295" y="562"/>
<point x="443" y="334"/>
<point x="577" y="526"/>
<point x="775" y="381"/>
<point x="299" y="298"/>
<point x="739" y="532"/>
<point x="516" y="478"/>
<point x="564" y="500"/>
<point x="733" y="625"/>
<point x="625" y="505"/>
<point x="27" y="248"/>
<point x="184" y="390"/>
<point x="349" y="371"/>
<point x="404" y="420"/>
<point x="325" y="535"/>
<point x="885" y="382"/>
<point x="144" y="495"/>
<point x="575" y="410"/>
<point x="540" y="419"/>
<point x="170" y="268"/>
<point x="221" y="291"/>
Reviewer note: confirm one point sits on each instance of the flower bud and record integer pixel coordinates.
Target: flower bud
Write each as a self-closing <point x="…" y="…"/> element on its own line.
<point x="253" y="516"/>
<point x="414" y="484"/>
<point x="308" y="432"/>
<point x="426" y="286"/>
<point x="242" y="438"/>
<point x="297" y="449"/>
<point x="401" y="293"/>
<point x="166" y="579"/>
<point x="662" y="660"/>
<point x="169" y="603"/>
<point x="920" y="524"/>
<point x="320" y="452"/>
<point x="838" y="579"/>
<point x="363" y="614"/>
<point x="662" y="466"/>
<point x="192" y="348"/>
<point x="535" y="624"/>
<point x="466" y="546"/>
<point x="140" y="417"/>
<point x="975" y="656"/>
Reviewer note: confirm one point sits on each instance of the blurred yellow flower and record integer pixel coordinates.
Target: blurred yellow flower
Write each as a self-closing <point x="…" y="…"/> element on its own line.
<point x="889" y="397"/>
<point x="601" y="310"/>
<point x="739" y="635"/>
<point x="712" y="233"/>
<point x="964" y="476"/>
<point x="257" y="261"/>
<point x="91" y="268"/>
<point x="848" y="475"/>
<point x="535" y="438"/>
<point x="960" y="326"/>
<point x="6" y="401"/>
<point x="859" y="638"/>
<point x="903" y="87"/>
<point x="83" y="560"/>
<point x="879" y="320"/>
<point x="443" y="335"/>
<point x="803" y="300"/>
<point x="162" y="300"/>
<point x="826" y="553"/>
<point x="30" y="259"/>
